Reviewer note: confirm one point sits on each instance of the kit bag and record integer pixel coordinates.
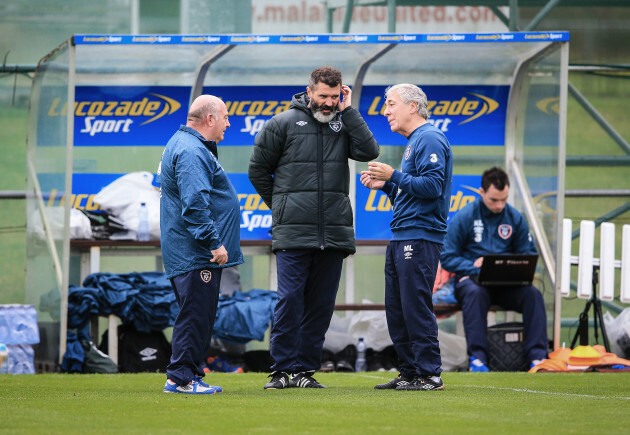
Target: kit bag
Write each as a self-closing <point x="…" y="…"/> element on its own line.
<point x="140" y="351"/>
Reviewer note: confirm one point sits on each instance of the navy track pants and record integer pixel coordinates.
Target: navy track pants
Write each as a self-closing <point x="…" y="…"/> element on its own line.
<point x="476" y="300"/>
<point x="308" y="281"/>
<point x="410" y="268"/>
<point x="197" y="294"/>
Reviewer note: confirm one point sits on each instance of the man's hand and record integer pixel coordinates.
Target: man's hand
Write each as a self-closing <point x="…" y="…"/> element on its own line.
<point x="219" y="256"/>
<point x="347" y="98"/>
<point x="478" y="262"/>
<point x="380" y="171"/>
<point x="369" y="182"/>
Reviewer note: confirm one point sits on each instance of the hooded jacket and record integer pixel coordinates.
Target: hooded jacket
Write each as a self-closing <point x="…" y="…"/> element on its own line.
<point x="199" y="208"/>
<point x="299" y="167"/>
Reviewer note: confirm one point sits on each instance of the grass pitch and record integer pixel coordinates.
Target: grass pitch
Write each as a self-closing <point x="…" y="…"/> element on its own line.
<point x="581" y="403"/>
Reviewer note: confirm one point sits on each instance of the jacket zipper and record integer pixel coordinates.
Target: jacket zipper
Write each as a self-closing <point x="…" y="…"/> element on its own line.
<point x="320" y="187"/>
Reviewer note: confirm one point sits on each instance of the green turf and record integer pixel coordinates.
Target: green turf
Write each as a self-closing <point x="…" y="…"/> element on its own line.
<point x="585" y="403"/>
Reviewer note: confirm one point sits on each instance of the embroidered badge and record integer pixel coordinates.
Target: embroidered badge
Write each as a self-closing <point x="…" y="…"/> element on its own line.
<point x="335" y="125"/>
<point x="407" y="152"/>
<point x="505" y="231"/>
<point x="206" y="275"/>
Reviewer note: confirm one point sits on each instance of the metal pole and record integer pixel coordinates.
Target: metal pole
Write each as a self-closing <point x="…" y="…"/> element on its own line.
<point x="599" y="119"/>
<point x="541" y="15"/>
<point x="347" y="16"/>
<point x="391" y="16"/>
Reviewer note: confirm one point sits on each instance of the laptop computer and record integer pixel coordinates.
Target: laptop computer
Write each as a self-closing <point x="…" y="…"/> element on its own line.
<point x="507" y="269"/>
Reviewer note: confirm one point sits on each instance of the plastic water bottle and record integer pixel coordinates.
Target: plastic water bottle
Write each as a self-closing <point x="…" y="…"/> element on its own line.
<point x="4" y="358"/>
<point x="361" y="363"/>
<point x="143" y="223"/>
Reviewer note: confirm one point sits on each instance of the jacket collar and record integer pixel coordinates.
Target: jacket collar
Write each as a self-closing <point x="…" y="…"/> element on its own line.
<point x="210" y="144"/>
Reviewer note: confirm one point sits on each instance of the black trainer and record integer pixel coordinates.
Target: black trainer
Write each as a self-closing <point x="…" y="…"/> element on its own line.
<point x="279" y="380"/>
<point x="427" y="383"/>
<point x="394" y="383"/>
<point x="305" y="380"/>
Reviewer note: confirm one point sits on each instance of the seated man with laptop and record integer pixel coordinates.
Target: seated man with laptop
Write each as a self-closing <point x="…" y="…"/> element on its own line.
<point x="490" y="232"/>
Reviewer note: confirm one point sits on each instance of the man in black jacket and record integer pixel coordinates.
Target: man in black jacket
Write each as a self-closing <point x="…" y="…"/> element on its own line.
<point x="299" y="167"/>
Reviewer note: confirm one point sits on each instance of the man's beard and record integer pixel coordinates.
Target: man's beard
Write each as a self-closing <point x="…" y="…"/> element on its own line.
<point x="319" y="116"/>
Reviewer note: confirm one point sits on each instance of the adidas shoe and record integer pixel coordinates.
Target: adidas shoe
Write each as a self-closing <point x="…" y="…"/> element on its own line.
<point x="196" y="386"/>
<point x="279" y="380"/>
<point x="305" y="380"/>
<point x="391" y="385"/>
<point x="476" y="365"/>
<point x="425" y="383"/>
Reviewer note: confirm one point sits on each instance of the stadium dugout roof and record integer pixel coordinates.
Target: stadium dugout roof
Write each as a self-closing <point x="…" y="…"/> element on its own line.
<point x="106" y="104"/>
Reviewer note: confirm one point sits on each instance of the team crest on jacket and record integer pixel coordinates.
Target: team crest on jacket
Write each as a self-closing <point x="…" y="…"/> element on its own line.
<point x="206" y="275"/>
<point x="407" y="152"/>
<point x="505" y="231"/>
<point x="335" y="125"/>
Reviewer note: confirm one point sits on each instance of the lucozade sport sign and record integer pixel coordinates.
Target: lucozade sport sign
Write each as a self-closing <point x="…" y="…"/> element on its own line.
<point x="149" y="115"/>
<point x="373" y="208"/>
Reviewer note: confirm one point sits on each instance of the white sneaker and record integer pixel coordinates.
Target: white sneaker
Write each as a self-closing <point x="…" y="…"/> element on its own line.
<point x="196" y="386"/>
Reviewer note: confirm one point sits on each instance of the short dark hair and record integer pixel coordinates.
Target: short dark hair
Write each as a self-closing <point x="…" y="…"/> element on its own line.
<point x="496" y="177"/>
<point x="327" y="75"/>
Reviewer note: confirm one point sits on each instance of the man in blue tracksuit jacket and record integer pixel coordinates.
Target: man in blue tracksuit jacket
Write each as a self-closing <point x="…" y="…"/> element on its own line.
<point x="200" y="233"/>
<point x="420" y="193"/>
<point x="491" y="226"/>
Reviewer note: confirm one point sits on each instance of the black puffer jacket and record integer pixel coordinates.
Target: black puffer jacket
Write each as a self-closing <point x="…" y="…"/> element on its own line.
<point x="299" y="167"/>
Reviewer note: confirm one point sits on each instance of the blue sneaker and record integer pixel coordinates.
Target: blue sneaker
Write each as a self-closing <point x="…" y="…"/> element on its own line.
<point x="196" y="386"/>
<point x="220" y="364"/>
<point x="534" y="363"/>
<point x="476" y="365"/>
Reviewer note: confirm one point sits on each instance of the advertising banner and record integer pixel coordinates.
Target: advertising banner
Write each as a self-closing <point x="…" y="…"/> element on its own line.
<point x="373" y="208"/>
<point x="147" y="116"/>
<point x="468" y="115"/>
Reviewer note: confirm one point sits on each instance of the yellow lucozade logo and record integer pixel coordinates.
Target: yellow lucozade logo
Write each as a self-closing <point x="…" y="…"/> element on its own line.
<point x="99" y="116"/>
<point x="470" y="108"/>
<point x="155" y="108"/>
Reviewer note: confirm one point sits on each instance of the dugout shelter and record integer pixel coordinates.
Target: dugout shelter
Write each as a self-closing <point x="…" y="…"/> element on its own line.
<point x="105" y="105"/>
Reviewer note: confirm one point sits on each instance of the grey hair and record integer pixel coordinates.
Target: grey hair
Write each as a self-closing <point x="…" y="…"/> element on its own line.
<point x="211" y="107"/>
<point x="409" y="94"/>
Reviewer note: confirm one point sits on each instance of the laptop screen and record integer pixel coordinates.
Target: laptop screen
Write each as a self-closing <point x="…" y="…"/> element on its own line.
<point x="507" y="269"/>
